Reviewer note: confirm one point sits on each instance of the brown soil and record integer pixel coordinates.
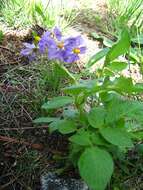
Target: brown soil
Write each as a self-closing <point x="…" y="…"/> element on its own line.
<point x="27" y="151"/>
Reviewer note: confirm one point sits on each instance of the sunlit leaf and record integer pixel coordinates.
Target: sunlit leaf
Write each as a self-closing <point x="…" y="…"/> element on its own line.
<point x="120" y="48"/>
<point x="97" y="57"/>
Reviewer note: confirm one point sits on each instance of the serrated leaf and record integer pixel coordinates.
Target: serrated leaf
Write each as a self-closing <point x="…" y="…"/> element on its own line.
<point x="117" y="66"/>
<point x="58" y="102"/>
<point x="97" y="57"/>
<point x="44" y="120"/>
<point x="120" y="48"/>
<point x="96" y="117"/>
<point x="66" y="126"/>
<point x="116" y="136"/>
<point x="96" y="167"/>
<point x="81" y="138"/>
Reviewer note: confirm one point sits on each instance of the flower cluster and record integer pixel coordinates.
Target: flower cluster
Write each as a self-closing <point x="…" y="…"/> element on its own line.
<point x="56" y="47"/>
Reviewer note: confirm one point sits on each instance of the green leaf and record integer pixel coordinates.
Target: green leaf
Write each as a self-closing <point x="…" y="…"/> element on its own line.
<point x="66" y="126"/>
<point x="118" y="109"/>
<point x="75" y="89"/>
<point x="39" y="10"/>
<point x="138" y="39"/>
<point x="70" y="113"/>
<point x="138" y="87"/>
<point x="108" y="72"/>
<point x="116" y="136"/>
<point x="1" y="36"/>
<point x="96" y="167"/>
<point x="137" y="135"/>
<point x="54" y="125"/>
<point x="120" y="48"/>
<point x="96" y="36"/>
<point x="97" y="139"/>
<point x="117" y="66"/>
<point x="126" y="85"/>
<point x="44" y="120"/>
<point x="81" y="138"/>
<point x="83" y="86"/>
<point x="96" y="117"/>
<point x="139" y="148"/>
<point x="107" y="42"/>
<point x="97" y="57"/>
<point x="133" y="56"/>
<point x="63" y="126"/>
<point x="123" y="84"/>
<point x="66" y="72"/>
<point x="58" y="102"/>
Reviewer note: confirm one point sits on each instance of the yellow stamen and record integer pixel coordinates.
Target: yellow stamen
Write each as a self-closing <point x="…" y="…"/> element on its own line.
<point x="37" y="38"/>
<point x="76" y="50"/>
<point x="60" y="45"/>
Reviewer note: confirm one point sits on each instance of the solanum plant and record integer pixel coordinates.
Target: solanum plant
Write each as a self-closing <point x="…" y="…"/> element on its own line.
<point x="99" y="116"/>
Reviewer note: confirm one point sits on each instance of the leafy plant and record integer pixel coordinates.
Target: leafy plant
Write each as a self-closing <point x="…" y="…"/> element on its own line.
<point x="23" y="13"/>
<point x="98" y="116"/>
<point x="125" y="13"/>
<point x="1" y="36"/>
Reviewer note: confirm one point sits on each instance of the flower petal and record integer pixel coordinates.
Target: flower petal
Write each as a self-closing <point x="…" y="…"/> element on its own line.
<point x="29" y="46"/>
<point x="57" y="33"/>
<point x="71" y="58"/>
<point x="82" y="49"/>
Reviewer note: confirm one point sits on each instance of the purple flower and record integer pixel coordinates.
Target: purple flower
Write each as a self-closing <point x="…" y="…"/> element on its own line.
<point x="56" y="54"/>
<point x="53" y="43"/>
<point x="29" y="51"/>
<point x="57" y="33"/>
<point x="49" y="41"/>
<point x="74" y="46"/>
<point x="74" y="41"/>
<point x="56" y="49"/>
<point x="46" y="42"/>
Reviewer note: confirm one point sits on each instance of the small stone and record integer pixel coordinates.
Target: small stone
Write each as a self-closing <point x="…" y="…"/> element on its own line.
<point x="51" y="181"/>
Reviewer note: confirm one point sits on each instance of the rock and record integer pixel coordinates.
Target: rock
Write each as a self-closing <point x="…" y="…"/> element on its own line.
<point x="51" y="181"/>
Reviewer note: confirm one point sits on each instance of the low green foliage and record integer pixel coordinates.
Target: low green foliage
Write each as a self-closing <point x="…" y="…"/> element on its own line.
<point x="125" y="13"/>
<point x="1" y="36"/>
<point x="100" y="113"/>
<point x="22" y="13"/>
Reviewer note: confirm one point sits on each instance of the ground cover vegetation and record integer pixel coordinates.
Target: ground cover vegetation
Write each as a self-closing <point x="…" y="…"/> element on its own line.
<point x="61" y="114"/>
